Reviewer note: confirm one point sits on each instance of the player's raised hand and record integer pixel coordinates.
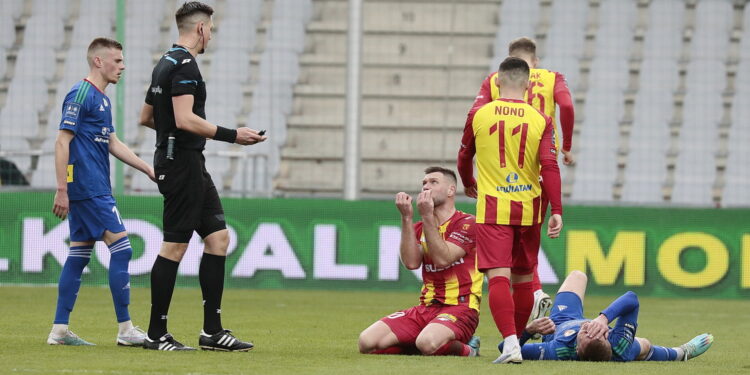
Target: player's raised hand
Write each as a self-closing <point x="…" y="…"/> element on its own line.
<point x="61" y="205"/>
<point x="542" y="326"/>
<point x="568" y="158"/>
<point x="247" y="136"/>
<point x="425" y="204"/>
<point x="597" y="327"/>
<point x="471" y="191"/>
<point x="554" y="226"/>
<point x="403" y="203"/>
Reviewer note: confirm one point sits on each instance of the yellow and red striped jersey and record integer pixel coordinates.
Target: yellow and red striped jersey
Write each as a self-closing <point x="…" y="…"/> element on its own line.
<point x="511" y="138"/>
<point x="461" y="282"/>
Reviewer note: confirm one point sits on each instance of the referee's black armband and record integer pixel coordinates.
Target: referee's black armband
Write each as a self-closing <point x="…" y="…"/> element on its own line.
<point x="225" y="135"/>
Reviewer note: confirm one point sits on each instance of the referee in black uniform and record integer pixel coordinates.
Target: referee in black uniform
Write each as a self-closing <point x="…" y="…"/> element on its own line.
<point x="175" y="108"/>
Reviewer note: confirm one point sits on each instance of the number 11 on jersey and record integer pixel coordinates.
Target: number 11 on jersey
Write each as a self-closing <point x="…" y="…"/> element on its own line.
<point x="523" y="128"/>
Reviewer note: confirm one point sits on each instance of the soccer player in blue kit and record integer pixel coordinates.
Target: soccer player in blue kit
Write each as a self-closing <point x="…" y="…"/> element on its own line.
<point x="570" y="336"/>
<point x="84" y="195"/>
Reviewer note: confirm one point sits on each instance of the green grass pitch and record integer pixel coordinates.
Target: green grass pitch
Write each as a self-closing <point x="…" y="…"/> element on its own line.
<point x="315" y="332"/>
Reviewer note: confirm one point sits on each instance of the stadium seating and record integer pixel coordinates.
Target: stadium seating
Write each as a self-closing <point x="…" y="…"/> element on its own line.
<point x="659" y="87"/>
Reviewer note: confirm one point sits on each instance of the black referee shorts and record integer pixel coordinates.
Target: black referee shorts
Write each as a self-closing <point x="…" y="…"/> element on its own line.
<point x="191" y="202"/>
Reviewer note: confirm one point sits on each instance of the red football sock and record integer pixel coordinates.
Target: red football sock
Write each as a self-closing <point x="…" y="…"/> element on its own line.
<point x="454" y="347"/>
<point x="536" y="284"/>
<point x="523" y="299"/>
<point x="502" y="306"/>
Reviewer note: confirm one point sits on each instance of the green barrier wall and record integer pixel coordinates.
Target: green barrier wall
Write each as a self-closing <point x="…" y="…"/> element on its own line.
<point x="332" y="244"/>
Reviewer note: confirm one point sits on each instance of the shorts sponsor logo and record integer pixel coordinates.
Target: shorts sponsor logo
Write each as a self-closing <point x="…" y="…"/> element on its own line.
<point x="68" y="122"/>
<point x="156" y="90"/>
<point x="447" y="318"/>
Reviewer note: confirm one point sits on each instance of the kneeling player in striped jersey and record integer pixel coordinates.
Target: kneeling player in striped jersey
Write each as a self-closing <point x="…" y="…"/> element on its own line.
<point x="84" y="194"/>
<point x="443" y="245"/>
<point x="570" y="336"/>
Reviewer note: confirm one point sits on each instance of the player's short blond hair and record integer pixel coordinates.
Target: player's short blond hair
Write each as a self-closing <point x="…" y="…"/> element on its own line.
<point x="522" y="46"/>
<point x="98" y="44"/>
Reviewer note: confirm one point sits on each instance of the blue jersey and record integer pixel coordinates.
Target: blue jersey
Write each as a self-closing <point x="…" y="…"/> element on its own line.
<point x="87" y="112"/>
<point x="567" y="313"/>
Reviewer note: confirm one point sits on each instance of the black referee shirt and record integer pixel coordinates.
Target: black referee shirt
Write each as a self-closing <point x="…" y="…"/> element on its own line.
<point x="176" y="74"/>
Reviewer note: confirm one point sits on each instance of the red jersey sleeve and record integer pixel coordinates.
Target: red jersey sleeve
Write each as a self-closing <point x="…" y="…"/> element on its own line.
<point x="567" y="113"/>
<point x="550" y="171"/>
<point x="418" y="232"/>
<point x="462" y="234"/>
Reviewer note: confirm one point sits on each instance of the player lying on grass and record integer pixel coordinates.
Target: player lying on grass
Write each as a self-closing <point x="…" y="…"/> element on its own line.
<point x="443" y="244"/>
<point x="570" y="336"/>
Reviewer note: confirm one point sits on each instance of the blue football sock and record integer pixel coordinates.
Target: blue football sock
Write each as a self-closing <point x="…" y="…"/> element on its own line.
<point x="70" y="281"/>
<point x="661" y="353"/>
<point x="119" y="278"/>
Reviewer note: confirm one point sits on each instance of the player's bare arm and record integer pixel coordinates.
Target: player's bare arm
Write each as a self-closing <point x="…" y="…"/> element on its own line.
<point x="126" y="155"/>
<point x="147" y="116"/>
<point x="443" y="253"/>
<point x="411" y="254"/>
<point x="186" y="120"/>
<point x="61" y="204"/>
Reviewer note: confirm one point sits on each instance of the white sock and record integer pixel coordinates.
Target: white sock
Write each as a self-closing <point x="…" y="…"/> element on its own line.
<point x="59" y="329"/>
<point x="510" y="343"/>
<point x="538" y="293"/>
<point x="125" y="326"/>
<point x="680" y="354"/>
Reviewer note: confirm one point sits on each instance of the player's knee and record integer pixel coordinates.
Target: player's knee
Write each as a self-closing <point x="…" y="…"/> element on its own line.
<point x="645" y="348"/>
<point x="427" y="345"/>
<point x="576" y="274"/>
<point x="366" y="343"/>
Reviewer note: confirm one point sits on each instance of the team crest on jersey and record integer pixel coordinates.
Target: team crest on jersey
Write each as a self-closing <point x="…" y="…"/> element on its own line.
<point x="511" y="178"/>
<point x="447" y="318"/>
<point x="105" y="130"/>
<point x="466" y="226"/>
<point x="569" y="332"/>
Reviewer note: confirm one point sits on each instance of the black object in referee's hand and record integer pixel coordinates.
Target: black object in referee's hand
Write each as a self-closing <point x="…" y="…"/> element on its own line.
<point x="262" y="132"/>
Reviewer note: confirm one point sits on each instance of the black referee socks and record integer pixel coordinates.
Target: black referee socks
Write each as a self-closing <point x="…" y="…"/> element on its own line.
<point x="211" y="276"/>
<point x="163" y="277"/>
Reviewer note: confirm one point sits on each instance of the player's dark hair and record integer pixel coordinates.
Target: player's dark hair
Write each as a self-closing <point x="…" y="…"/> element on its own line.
<point x="102" y="42"/>
<point x="596" y="351"/>
<point x="444" y="171"/>
<point x="522" y="45"/>
<point x="511" y="64"/>
<point x="189" y="9"/>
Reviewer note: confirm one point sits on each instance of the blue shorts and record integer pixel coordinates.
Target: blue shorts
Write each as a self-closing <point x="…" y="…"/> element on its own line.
<point x="568" y="306"/>
<point x="89" y="218"/>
